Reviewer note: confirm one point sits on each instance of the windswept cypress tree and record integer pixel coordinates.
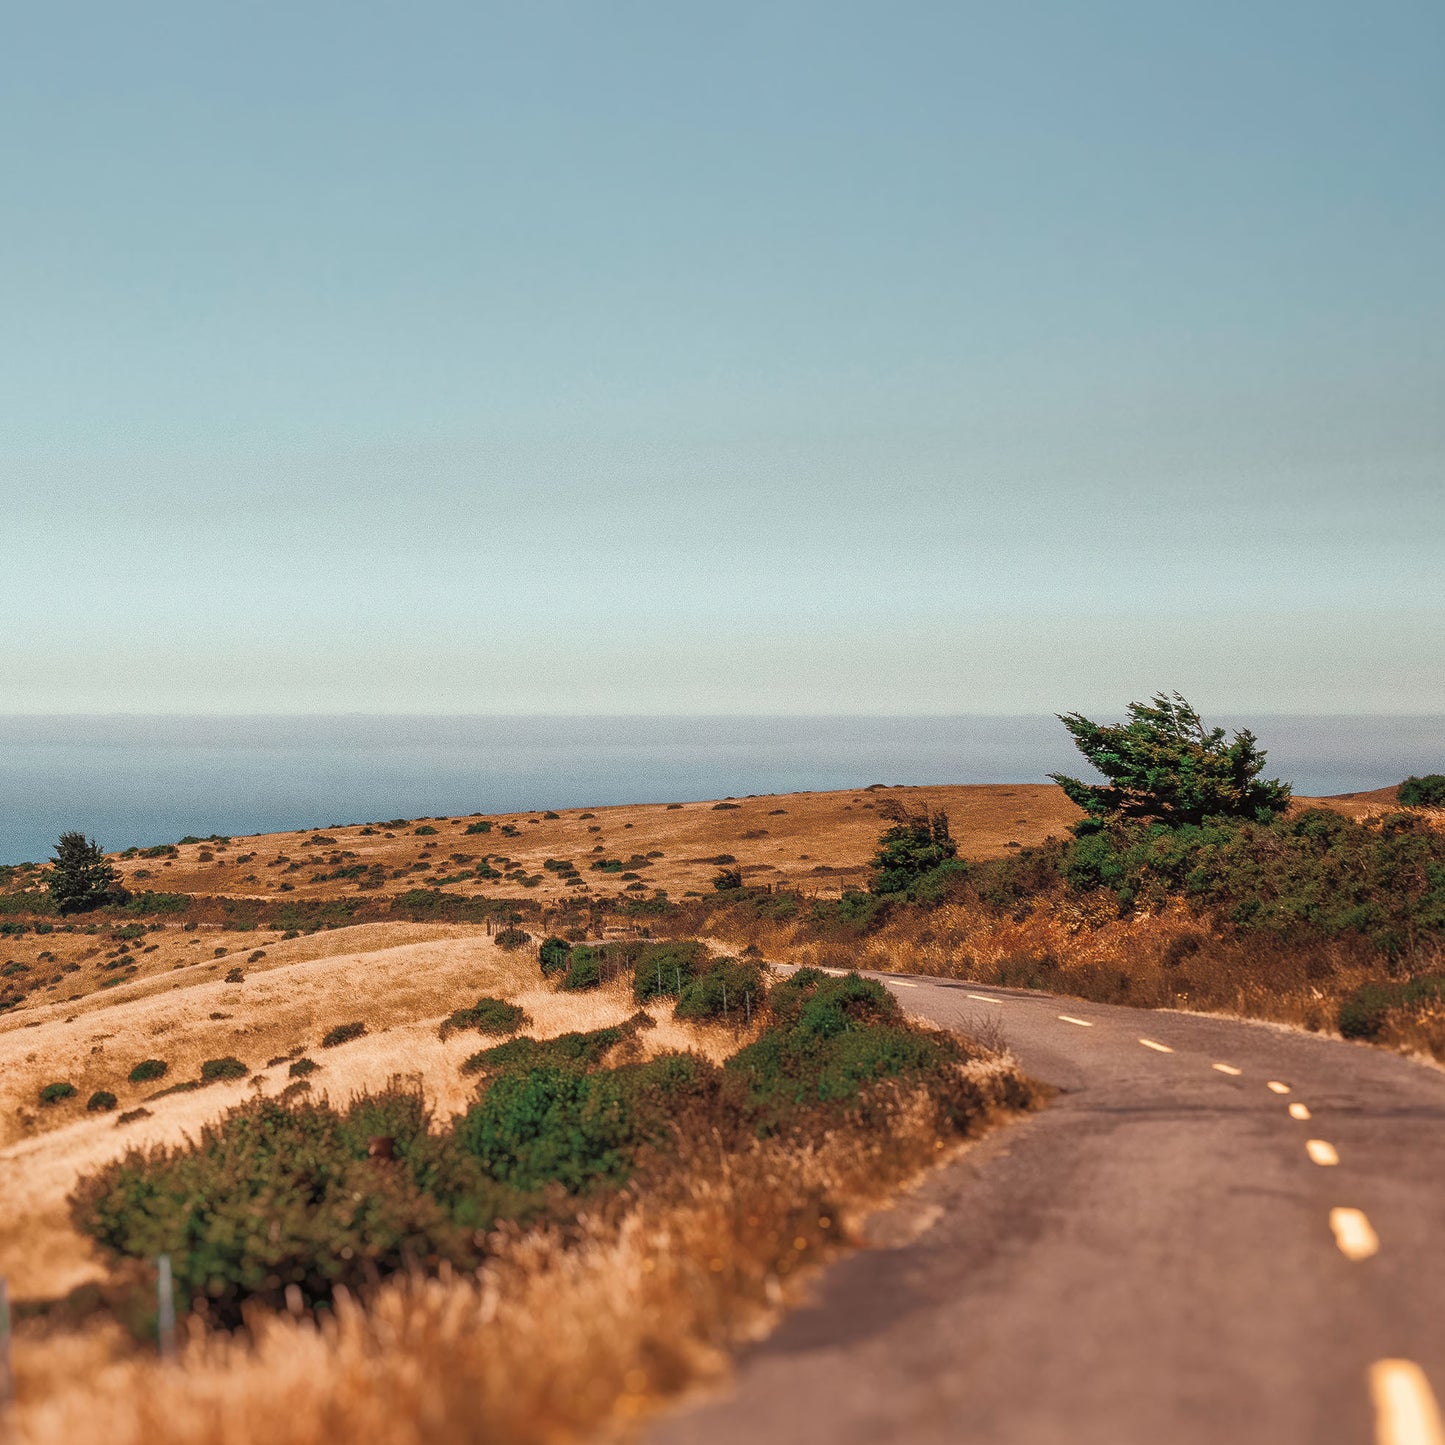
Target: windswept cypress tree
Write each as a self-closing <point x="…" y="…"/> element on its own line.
<point x="1164" y="765"/>
<point x="82" y="878"/>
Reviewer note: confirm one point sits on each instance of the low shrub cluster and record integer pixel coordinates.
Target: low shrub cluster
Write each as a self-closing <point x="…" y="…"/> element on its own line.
<point x="300" y="1195"/>
<point x="1366" y="1011"/>
<point x="486" y="1016"/>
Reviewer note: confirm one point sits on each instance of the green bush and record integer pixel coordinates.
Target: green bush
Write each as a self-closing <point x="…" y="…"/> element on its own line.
<point x="342" y="1034"/>
<point x="301" y="1067"/>
<point x="294" y="1193"/>
<point x="100" y="1102"/>
<point x="665" y="969"/>
<point x="486" y="1016"/>
<point x="512" y="938"/>
<point x="426" y="830"/>
<point x="332" y="1215"/>
<point x="1364" y="1013"/>
<point x="54" y="1093"/>
<point x="584" y="968"/>
<point x="730" y="990"/>
<point x="147" y="1070"/>
<point x="1426" y="792"/>
<point x="553" y="955"/>
<point x="915" y="844"/>
<point x="827" y="1039"/>
<point x="580" y="1050"/>
<point x="215" y="1070"/>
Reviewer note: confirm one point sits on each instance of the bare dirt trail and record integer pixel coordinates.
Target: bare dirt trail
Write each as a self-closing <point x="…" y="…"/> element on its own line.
<point x="1217" y="1232"/>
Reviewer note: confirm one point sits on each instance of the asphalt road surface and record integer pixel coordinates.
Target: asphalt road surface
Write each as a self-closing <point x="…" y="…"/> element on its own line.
<point x="1218" y="1232"/>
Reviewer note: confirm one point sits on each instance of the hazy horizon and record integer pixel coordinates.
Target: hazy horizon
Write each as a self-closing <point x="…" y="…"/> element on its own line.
<point x="146" y="780"/>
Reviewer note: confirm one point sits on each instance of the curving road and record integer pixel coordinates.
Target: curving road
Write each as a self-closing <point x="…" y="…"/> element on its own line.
<point x="1218" y="1233"/>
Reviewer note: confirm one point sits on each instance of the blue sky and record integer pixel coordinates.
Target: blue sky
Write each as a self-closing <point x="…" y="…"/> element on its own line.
<point x="763" y="358"/>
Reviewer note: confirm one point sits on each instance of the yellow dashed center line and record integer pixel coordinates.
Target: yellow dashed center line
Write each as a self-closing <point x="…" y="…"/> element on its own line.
<point x="1228" y="1069"/>
<point x="1070" y="1019"/>
<point x="1354" y="1233"/>
<point x="1298" y="1111"/>
<point x="1321" y="1151"/>
<point x="984" y="998"/>
<point x="1405" y="1408"/>
<point x="899" y="983"/>
<point x="1275" y="1087"/>
<point x="1158" y="1048"/>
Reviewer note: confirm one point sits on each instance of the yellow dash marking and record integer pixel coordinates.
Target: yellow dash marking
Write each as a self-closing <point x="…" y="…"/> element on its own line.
<point x="1275" y="1087"/>
<point x="1070" y="1019"/>
<point x="1158" y="1048"/>
<point x="1298" y="1111"/>
<point x="1354" y="1233"/>
<point x="1321" y="1151"/>
<point x="899" y="983"/>
<point x="1229" y="1069"/>
<point x="1405" y="1408"/>
<point x="984" y="998"/>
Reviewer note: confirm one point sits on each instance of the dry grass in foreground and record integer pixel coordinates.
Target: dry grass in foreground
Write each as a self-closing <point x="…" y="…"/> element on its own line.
<point x="559" y="1333"/>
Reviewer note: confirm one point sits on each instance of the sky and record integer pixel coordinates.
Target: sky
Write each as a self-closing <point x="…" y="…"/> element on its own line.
<point x="784" y="358"/>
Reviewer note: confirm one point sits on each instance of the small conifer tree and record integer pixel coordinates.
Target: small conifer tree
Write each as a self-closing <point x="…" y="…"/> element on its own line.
<point x="915" y="844"/>
<point x="82" y="879"/>
<point x="1165" y="765"/>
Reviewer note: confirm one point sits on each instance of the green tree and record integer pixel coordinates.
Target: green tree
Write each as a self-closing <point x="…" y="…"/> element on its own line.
<point x="1164" y="764"/>
<point x="916" y="844"/>
<point x="82" y="878"/>
<point x="1426" y="792"/>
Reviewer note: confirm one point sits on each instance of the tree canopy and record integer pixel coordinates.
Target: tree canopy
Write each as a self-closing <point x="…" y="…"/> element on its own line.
<point x="82" y="878"/>
<point x="1164" y="764"/>
<point x="915" y="844"/>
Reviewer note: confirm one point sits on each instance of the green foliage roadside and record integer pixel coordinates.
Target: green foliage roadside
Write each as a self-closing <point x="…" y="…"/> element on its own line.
<point x="351" y="1195"/>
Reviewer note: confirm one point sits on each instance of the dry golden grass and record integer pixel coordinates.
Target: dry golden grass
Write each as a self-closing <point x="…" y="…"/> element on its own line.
<point x="557" y="1335"/>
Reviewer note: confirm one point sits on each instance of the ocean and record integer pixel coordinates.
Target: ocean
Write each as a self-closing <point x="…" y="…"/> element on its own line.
<point x="144" y="780"/>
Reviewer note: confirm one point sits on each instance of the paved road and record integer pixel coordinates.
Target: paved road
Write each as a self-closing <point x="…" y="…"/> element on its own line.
<point x="1156" y="1257"/>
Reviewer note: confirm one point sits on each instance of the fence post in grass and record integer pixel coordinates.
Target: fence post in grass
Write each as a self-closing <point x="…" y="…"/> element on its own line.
<point x="7" y="1370"/>
<point x="165" y="1309"/>
<point x="748" y="1005"/>
<point x="659" y="977"/>
<point x="725" y="998"/>
<point x="678" y="972"/>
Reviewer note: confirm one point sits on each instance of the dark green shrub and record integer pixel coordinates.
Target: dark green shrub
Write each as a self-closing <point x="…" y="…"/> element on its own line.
<point x="827" y="1039"/>
<point x="343" y="1034"/>
<point x="54" y="1093"/>
<point x="486" y="1016"/>
<point x="571" y="1050"/>
<point x="1426" y="792"/>
<point x="215" y="1070"/>
<point x="147" y="1070"/>
<point x="584" y="968"/>
<point x="100" y="1102"/>
<point x="332" y="1215"/>
<point x="730" y="990"/>
<point x="551" y="816"/>
<point x="728" y="880"/>
<point x="914" y="845"/>
<point x="426" y="830"/>
<point x="665" y="969"/>
<point x="512" y="938"/>
<point x="553" y="955"/>
<point x="81" y="879"/>
<point x="1364" y="1013"/>
<point x="301" y="1067"/>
